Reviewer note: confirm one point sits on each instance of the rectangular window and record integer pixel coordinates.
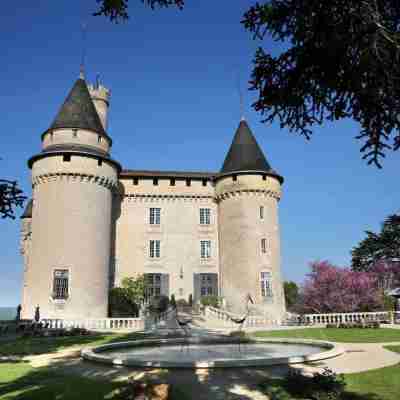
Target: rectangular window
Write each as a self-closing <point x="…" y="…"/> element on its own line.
<point x="60" y="284"/>
<point x="172" y="182"/>
<point x="155" y="181"/>
<point x="155" y="216"/>
<point x="263" y="245"/>
<point x="261" y="212"/>
<point x="155" y="249"/>
<point x="205" y="248"/>
<point x="152" y="286"/>
<point x="205" y="216"/>
<point x="266" y="284"/>
<point x="204" y="182"/>
<point x="206" y="285"/>
<point x="136" y="181"/>
<point x="188" y="182"/>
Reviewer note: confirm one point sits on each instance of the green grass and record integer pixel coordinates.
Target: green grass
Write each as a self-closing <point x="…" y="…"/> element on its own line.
<point x="22" y="382"/>
<point x="378" y="384"/>
<point x="362" y="335"/>
<point x="40" y="345"/>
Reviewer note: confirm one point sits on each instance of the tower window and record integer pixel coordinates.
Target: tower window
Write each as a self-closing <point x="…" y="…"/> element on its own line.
<point x="60" y="284"/>
<point x="264" y="177"/>
<point x="204" y="182"/>
<point x="136" y="181"/>
<point x="266" y="285"/>
<point x="74" y="133"/>
<point x="205" y="216"/>
<point x="205" y="249"/>
<point x="155" y="181"/>
<point x="263" y="245"/>
<point x="234" y="178"/>
<point x="99" y="162"/>
<point x="67" y="158"/>
<point x="155" y="216"/>
<point x="261" y="212"/>
<point x="188" y="182"/>
<point x="172" y="182"/>
<point x="155" y="249"/>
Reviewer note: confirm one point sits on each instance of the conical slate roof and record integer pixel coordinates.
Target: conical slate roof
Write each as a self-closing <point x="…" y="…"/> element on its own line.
<point x="245" y="154"/>
<point x="78" y="111"/>
<point x="28" y="210"/>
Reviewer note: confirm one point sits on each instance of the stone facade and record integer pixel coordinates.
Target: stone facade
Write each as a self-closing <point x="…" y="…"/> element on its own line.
<point x="91" y="223"/>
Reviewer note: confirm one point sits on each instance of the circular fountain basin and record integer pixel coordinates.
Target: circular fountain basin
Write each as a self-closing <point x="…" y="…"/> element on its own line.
<point x="211" y="352"/>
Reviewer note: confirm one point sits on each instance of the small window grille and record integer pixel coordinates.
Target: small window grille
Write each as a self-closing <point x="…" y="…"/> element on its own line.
<point x="155" y="249"/>
<point x="155" y="216"/>
<point x="60" y="284"/>
<point x="205" y="216"/>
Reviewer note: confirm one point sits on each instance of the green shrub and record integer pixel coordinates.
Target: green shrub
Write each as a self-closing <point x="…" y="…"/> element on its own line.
<point x="172" y="301"/>
<point x="159" y="304"/>
<point x="213" y="301"/>
<point x="322" y="386"/>
<point x="181" y="303"/>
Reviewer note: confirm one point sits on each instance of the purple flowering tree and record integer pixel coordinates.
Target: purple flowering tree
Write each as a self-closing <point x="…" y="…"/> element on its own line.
<point x="329" y="288"/>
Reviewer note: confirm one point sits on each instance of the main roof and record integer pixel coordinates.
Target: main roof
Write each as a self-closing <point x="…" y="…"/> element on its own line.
<point x="78" y="111"/>
<point x="245" y="154"/>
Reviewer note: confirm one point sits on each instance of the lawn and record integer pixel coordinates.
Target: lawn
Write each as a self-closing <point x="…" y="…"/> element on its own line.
<point x="21" y="381"/>
<point x="381" y="335"/>
<point x="40" y="345"/>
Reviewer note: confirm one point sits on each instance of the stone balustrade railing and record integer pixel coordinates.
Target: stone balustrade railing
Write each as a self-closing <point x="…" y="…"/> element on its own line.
<point x="337" y="318"/>
<point x="225" y="317"/>
<point x="98" y="324"/>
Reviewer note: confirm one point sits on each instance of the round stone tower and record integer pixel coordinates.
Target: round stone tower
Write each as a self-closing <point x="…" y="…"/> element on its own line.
<point x="247" y="192"/>
<point x="73" y="180"/>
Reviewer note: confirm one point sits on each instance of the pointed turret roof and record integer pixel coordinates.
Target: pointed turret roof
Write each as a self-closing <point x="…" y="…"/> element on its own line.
<point x="28" y="210"/>
<point x="78" y="111"/>
<point x="245" y="154"/>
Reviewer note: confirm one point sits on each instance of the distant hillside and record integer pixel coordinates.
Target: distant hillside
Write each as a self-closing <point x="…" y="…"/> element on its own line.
<point x="8" y="313"/>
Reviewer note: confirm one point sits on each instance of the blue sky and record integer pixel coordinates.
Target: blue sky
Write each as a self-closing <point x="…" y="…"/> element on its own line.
<point x="173" y="76"/>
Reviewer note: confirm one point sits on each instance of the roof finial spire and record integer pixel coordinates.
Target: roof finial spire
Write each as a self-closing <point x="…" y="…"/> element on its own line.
<point x="83" y="59"/>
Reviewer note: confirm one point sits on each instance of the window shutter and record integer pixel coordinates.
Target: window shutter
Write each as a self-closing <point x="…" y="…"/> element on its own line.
<point x="214" y="281"/>
<point x="196" y="286"/>
<point x="165" y="284"/>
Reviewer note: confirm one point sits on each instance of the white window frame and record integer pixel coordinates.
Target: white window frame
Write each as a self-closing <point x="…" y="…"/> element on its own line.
<point x="155" y="248"/>
<point x="155" y="216"/>
<point x="205" y="249"/>
<point x="153" y="285"/>
<point x="266" y="285"/>
<point x="205" y="216"/>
